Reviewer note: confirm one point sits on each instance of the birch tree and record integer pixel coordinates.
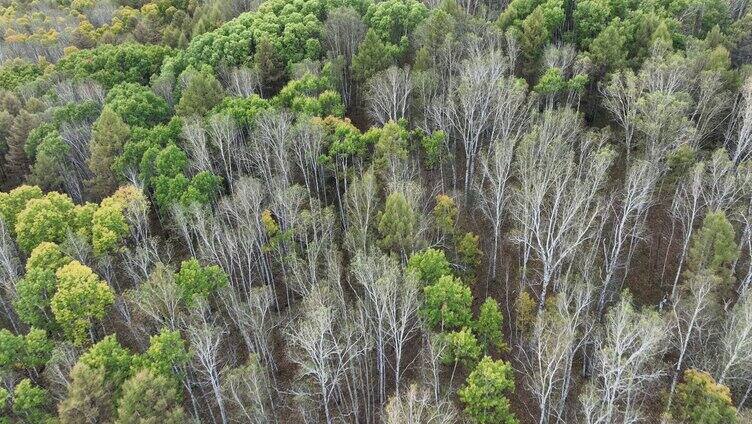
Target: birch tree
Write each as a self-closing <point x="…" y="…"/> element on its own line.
<point x="625" y="365"/>
<point x="557" y="200"/>
<point x="388" y="95"/>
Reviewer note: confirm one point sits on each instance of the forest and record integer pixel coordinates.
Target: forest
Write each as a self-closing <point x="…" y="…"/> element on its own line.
<point x="376" y="211"/>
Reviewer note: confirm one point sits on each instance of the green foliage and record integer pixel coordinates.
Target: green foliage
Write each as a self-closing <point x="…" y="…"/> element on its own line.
<point x="14" y="201"/>
<point x="29" y="402"/>
<point x="700" y="400"/>
<point x="311" y="95"/>
<point x="488" y="326"/>
<point x="433" y="146"/>
<point x="166" y="352"/>
<point x="393" y="20"/>
<point x="114" y="359"/>
<point x="44" y="219"/>
<point x="448" y="303"/>
<point x="469" y="253"/>
<point x="462" y="348"/>
<point x="445" y="214"/>
<point x="51" y="155"/>
<point x="198" y="281"/>
<point x="609" y="48"/>
<point x="81" y="297"/>
<point x="109" y="135"/>
<point x="373" y="56"/>
<point x="242" y="109"/>
<point x="90" y="397"/>
<point x="429" y="265"/>
<point x="149" y="398"/>
<point x="24" y="352"/>
<point x="201" y="93"/>
<point x="137" y="105"/>
<point x="714" y="248"/>
<point x="397" y="223"/>
<point x="17" y="72"/>
<point x="110" y="65"/>
<point x="590" y="17"/>
<point x="484" y="393"/>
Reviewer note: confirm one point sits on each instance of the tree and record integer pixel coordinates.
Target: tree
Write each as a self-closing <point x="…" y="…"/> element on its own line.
<point x="484" y="392"/>
<point x="249" y="392"/>
<point x="418" y="405"/>
<point x="35" y="290"/>
<point x="150" y="398"/>
<point x="373" y="56"/>
<point x="136" y="105"/>
<point x="488" y="326"/>
<point x="81" y="297"/>
<point x="462" y="347"/>
<point x="201" y="93"/>
<point x="109" y="135"/>
<point x="699" y="399"/>
<point x="397" y="223"/>
<point x="199" y="282"/>
<point x="90" y="397"/>
<point x="14" y="201"/>
<point x="30" y="402"/>
<point x="445" y="214"/>
<point x="46" y="219"/>
<point x="388" y="95"/>
<point x="18" y="162"/>
<point x="429" y="265"/>
<point x="448" y="303"/>
<point x="713" y="248"/>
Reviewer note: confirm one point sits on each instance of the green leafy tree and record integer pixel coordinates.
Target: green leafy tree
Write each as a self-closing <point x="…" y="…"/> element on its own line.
<point x="11" y="349"/>
<point x="429" y="264"/>
<point x="700" y="400"/>
<point x="462" y="347"/>
<point x="137" y="105"/>
<point x="198" y="281"/>
<point x="109" y="355"/>
<point x="714" y="248"/>
<point x="590" y="18"/>
<point x="111" y="64"/>
<point x="484" y="393"/>
<point x="469" y="253"/>
<point x="393" y="20"/>
<point x="14" y="201"/>
<point x="448" y="303"/>
<point x="50" y="164"/>
<point x="201" y="93"/>
<point x="397" y="223"/>
<point x="44" y="219"/>
<point x="81" y="297"/>
<point x="488" y="326"/>
<point x="35" y="290"/>
<point x="373" y="56"/>
<point x="109" y="135"/>
<point x="445" y="214"/>
<point x="90" y="397"/>
<point x="270" y="64"/>
<point x="166" y="353"/>
<point x="608" y="49"/>
<point x="30" y="402"/>
<point x="150" y="398"/>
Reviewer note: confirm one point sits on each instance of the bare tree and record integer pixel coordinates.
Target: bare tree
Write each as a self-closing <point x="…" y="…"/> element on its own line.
<point x="692" y="314"/>
<point x="159" y="298"/>
<point x="686" y="208"/>
<point x="625" y="366"/>
<point x="307" y="149"/>
<point x="323" y="344"/>
<point x="205" y="337"/>
<point x="557" y="201"/>
<point x="417" y="406"/>
<point x="343" y="31"/>
<point x="739" y="136"/>
<point x="248" y="392"/>
<point x="242" y="81"/>
<point x="362" y="207"/>
<point x="734" y="361"/>
<point x="620" y="97"/>
<point x="548" y="355"/>
<point x="196" y="145"/>
<point x="495" y="172"/>
<point x="388" y="95"/>
<point x="627" y="212"/>
<point x="225" y="137"/>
